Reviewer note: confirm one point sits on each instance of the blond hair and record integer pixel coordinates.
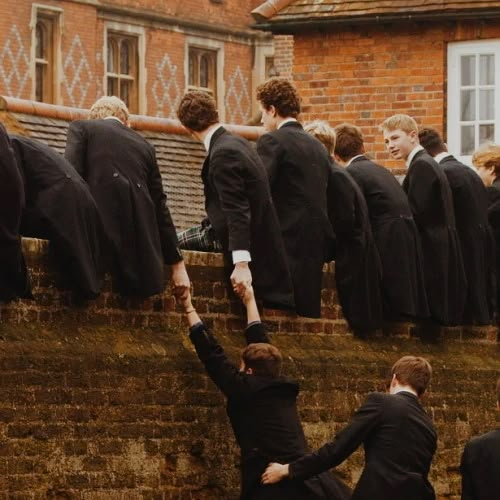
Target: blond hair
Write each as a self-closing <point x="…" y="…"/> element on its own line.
<point x="323" y="132"/>
<point x="109" y="106"/>
<point x="400" y="122"/>
<point x="487" y="156"/>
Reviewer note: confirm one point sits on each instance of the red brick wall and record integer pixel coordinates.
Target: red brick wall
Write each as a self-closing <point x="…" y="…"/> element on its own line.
<point x="363" y="74"/>
<point x="108" y="400"/>
<point x="82" y="45"/>
<point x="283" y="55"/>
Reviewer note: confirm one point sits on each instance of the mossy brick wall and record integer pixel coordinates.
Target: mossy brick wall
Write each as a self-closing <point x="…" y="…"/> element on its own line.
<point x="108" y="401"/>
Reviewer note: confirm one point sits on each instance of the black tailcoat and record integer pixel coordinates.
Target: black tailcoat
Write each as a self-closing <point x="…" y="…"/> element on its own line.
<point x="264" y="417"/>
<point x="240" y="208"/>
<point x="397" y="239"/>
<point x="298" y="168"/>
<point x="494" y="220"/>
<point x="431" y="203"/>
<point x="60" y="208"/>
<point x="470" y="202"/>
<point x="120" y="168"/>
<point x="480" y="467"/>
<point x="399" y="441"/>
<point x="357" y="264"/>
<point x="14" y="280"/>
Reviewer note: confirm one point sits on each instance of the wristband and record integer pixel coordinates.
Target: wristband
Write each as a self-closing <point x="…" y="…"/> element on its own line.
<point x="190" y="310"/>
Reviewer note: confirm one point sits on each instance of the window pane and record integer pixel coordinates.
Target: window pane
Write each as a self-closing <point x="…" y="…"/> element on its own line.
<point x="486" y="133"/>
<point x="124" y="58"/>
<point x="467" y="140"/>
<point x="192" y="69"/>
<point x="112" y="86"/>
<point x="204" y="71"/>
<point x="468" y="65"/>
<point x="40" y="42"/>
<point x="125" y="92"/>
<point x="487" y="69"/>
<point x="39" y="82"/>
<point x="111" y="56"/>
<point x="467" y="105"/>
<point x="486" y="104"/>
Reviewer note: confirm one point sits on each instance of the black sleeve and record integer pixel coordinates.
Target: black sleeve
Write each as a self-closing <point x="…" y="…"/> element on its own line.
<point x="76" y="147"/>
<point x="423" y="187"/>
<point x="223" y="373"/>
<point x="256" y="333"/>
<point x="364" y="421"/>
<point x="228" y="174"/>
<point x="465" y="470"/>
<point x="269" y="151"/>
<point x="166" y="228"/>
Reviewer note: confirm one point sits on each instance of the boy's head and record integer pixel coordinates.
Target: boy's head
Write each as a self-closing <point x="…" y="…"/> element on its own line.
<point x="261" y="359"/>
<point x="197" y="111"/>
<point x="400" y="135"/>
<point x="278" y="99"/>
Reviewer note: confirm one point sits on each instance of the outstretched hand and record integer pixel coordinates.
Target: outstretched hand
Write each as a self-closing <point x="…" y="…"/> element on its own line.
<point x="274" y="473"/>
<point x="180" y="279"/>
<point x="245" y="293"/>
<point x="240" y="277"/>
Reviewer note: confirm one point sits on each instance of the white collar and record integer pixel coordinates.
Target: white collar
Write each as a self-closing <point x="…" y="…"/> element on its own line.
<point x="405" y="389"/>
<point x="113" y="118"/>
<point x="287" y="120"/>
<point x="353" y="158"/>
<point x="210" y="133"/>
<point x="415" y="150"/>
<point x="441" y="156"/>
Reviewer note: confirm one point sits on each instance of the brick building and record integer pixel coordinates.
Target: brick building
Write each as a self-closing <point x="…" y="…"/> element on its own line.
<point x="437" y="60"/>
<point x="70" y="52"/>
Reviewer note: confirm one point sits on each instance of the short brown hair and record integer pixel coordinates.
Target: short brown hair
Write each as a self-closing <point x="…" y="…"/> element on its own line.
<point x="487" y="156"/>
<point x="280" y="93"/>
<point x="349" y="141"/>
<point x="323" y="132"/>
<point x="413" y="371"/>
<point x="197" y="110"/>
<point x="264" y="359"/>
<point x="430" y="139"/>
<point x="402" y="122"/>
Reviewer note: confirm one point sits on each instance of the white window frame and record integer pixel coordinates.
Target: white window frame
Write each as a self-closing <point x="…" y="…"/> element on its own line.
<point x="455" y="52"/>
<point x="216" y="46"/>
<point x="139" y="33"/>
<point x="56" y="14"/>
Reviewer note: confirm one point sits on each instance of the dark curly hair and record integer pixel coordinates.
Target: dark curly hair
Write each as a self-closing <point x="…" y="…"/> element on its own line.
<point x="280" y="93"/>
<point x="197" y="110"/>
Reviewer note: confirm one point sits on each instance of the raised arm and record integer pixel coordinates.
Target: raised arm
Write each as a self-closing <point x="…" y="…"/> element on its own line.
<point x="168" y="236"/>
<point x="223" y="373"/>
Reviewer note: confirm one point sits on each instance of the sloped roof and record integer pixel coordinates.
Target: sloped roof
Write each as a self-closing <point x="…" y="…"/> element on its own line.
<point x="281" y="12"/>
<point x="179" y="157"/>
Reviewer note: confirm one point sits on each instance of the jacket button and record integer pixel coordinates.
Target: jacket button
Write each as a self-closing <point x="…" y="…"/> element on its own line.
<point x="138" y="185"/>
<point x="115" y="174"/>
<point x="68" y="176"/>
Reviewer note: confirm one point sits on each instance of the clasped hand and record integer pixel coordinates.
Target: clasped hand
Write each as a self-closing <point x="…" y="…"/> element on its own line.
<point x="274" y="473"/>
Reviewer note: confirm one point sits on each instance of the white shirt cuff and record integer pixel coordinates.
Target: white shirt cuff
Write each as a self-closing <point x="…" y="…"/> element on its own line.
<point x="241" y="256"/>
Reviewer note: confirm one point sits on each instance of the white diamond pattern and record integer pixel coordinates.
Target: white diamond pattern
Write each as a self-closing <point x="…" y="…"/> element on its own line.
<point x="165" y="89"/>
<point x="14" y="64"/>
<point x="237" y="98"/>
<point x="77" y="74"/>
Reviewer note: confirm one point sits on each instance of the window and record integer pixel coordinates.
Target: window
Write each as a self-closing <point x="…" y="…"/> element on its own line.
<point x="122" y="69"/>
<point x="203" y="70"/>
<point x="473" y="96"/>
<point x="45" y="53"/>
